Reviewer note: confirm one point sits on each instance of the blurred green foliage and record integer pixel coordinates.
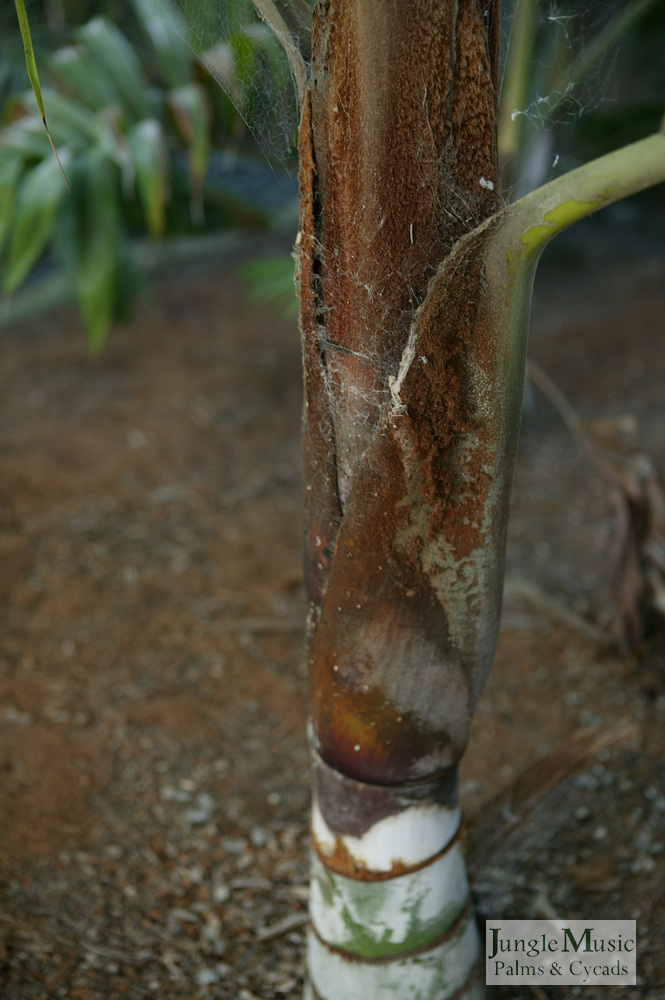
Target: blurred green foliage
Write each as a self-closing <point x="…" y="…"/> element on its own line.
<point x="273" y="280"/>
<point x="134" y="115"/>
<point x="137" y="99"/>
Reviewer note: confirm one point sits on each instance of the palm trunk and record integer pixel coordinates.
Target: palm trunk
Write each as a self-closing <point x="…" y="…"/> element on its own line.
<point x="415" y="290"/>
<point x="403" y="563"/>
<point x="389" y="905"/>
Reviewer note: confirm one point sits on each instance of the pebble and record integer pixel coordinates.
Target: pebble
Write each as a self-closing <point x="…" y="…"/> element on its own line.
<point x="220" y="893"/>
<point x="643" y="864"/>
<point x="14" y="715"/>
<point x="206" y="977"/>
<point x="258" y="836"/>
<point x="169" y="794"/>
<point x="234" y="845"/>
<point x="586" y="781"/>
<point x="203" y="810"/>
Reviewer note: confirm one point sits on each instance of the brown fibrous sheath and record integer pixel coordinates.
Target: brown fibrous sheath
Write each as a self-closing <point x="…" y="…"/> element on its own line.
<point x="405" y="439"/>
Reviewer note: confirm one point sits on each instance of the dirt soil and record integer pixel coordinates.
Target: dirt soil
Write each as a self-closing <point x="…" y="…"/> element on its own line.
<point x="153" y="760"/>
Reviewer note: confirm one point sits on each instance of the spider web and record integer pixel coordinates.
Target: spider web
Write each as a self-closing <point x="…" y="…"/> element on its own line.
<point x="556" y="91"/>
<point x="249" y="63"/>
<point x="247" y="60"/>
<point x="571" y="68"/>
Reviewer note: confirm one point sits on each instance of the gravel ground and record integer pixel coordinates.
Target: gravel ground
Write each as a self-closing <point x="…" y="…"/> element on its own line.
<point x="154" y="766"/>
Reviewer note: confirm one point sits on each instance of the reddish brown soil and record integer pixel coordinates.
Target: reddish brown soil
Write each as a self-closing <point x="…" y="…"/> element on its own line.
<point x="154" y="766"/>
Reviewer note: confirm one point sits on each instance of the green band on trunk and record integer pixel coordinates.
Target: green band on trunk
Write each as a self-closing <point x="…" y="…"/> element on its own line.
<point x="436" y="973"/>
<point x="393" y="915"/>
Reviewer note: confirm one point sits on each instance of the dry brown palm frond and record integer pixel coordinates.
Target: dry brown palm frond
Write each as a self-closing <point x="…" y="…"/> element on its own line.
<point x="636" y="572"/>
<point x="495" y="818"/>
